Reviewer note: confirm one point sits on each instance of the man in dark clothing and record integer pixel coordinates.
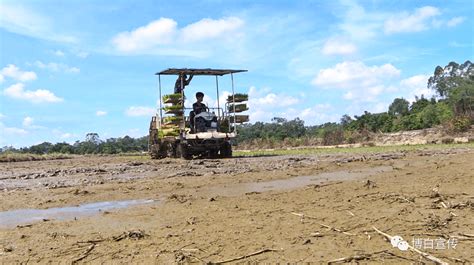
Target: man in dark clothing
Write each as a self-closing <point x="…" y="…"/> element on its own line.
<point x="198" y="107"/>
<point x="181" y="83"/>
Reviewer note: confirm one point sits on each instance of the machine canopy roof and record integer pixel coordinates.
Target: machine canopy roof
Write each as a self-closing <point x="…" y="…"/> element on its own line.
<point x="196" y="71"/>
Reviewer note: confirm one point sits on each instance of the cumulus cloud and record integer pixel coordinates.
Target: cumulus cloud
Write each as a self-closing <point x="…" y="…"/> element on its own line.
<point x="319" y="113"/>
<point x="15" y="73"/>
<point x="17" y="91"/>
<point x="58" y="53"/>
<point x="354" y="74"/>
<point x="82" y="54"/>
<point x="455" y="21"/>
<point x="338" y="47"/>
<point x="67" y="135"/>
<point x="12" y="131"/>
<point x="101" y="113"/>
<point x="136" y="111"/>
<point x="209" y="28"/>
<point x="161" y="31"/>
<point x="27" y="121"/>
<point x="164" y="34"/>
<point x="416" y="86"/>
<point x="265" y="104"/>
<point x="360" y="83"/>
<point x="419" y="20"/>
<point x="57" y="67"/>
<point x="266" y="98"/>
<point x="279" y="100"/>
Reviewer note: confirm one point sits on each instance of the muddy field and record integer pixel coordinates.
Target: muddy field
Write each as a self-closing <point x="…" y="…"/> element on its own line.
<point x="298" y="208"/>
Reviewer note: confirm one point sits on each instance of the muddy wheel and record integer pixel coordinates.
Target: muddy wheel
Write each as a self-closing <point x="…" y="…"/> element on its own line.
<point x="214" y="154"/>
<point x="226" y="150"/>
<point x="168" y="149"/>
<point x="183" y="152"/>
<point x="155" y="151"/>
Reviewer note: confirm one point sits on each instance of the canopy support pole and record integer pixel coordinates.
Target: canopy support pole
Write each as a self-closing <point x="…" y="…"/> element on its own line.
<point x="233" y="100"/>
<point x="218" y="105"/>
<point x="161" y="104"/>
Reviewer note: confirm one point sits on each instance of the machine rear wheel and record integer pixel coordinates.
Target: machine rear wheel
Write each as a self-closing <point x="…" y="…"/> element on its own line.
<point x="183" y="152"/>
<point x="226" y="150"/>
<point x="169" y="149"/>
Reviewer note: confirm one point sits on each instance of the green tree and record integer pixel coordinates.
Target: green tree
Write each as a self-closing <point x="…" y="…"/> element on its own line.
<point x="346" y="120"/>
<point x="399" y="106"/>
<point x="455" y="83"/>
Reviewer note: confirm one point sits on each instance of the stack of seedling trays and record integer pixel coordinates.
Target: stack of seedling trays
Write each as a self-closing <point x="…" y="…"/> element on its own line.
<point x="174" y="110"/>
<point x="239" y="106"/>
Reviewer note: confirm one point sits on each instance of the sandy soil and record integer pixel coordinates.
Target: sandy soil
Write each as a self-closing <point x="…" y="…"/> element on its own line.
<point x="261" y="209"/>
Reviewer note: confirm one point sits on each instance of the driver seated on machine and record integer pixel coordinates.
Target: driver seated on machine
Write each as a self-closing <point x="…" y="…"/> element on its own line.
<point x="198" y="107"/>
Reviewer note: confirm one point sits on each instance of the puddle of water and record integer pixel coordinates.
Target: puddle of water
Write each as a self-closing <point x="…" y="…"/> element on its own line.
<point x="293" y="183"/>
<point x="13" y="218"/>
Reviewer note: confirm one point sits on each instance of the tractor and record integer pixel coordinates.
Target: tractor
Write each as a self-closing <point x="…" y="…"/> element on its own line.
<point x="176" y="131"/>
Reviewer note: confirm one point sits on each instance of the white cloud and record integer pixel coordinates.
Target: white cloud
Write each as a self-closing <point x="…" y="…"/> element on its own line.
<point x="82" y="54"/>
<point x="64" y="135"/>
<point x="135" y="132"/>
<point x="360" y="83"/>
<point x="161" y="31"/>
<point x="2" y="116"/>
<point x="456" y="44"/>
<point x="338" y="47"/>
<point x="20" y="20"/>
<point x="67" y="135"/>
<point x="15" y="73"/>
<point x="12" y="130"/>
<point x="27" y="121"/>
<point x="136" y="111"/>
<point x="209" y="28"/>
<point x="101" y="113"/>
<point x="354" y="74"/>
<point x="417" y="21"/>
<point x="455" y="21"/>
<point x="59" y="53"/>
<point x="359" y="24"/>
<point x="266" y="98"/>
<point x="318" y="114"/>
<point x="17" y="91"/>
<point x="279" y="100"/>
<point x="416" y="86"/>
<point x="57" y="67"/>
<point x="163" y="36"/>
<point x="265" y="104"/>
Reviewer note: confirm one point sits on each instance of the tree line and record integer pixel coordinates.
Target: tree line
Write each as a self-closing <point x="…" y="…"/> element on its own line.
<point x="91" y="145"/>
<point x="453" y="108"/>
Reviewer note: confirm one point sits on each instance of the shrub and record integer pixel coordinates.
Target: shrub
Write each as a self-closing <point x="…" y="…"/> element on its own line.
<point x="333" y="136"/>
<point x="447" y="140"/>
<point x="461" y="124"/>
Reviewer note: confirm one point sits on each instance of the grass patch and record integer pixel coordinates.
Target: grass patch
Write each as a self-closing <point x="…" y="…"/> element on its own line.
<point x="355" y="150"/>
<point x="19" y="157"/>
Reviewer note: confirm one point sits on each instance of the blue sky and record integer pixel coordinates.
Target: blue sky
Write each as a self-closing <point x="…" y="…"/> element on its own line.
<point x="68" y="68"/>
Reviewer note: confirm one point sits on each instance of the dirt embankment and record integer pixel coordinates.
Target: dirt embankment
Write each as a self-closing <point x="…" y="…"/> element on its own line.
<point x="414" y="137"/>
<point x="311" y="208"/>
